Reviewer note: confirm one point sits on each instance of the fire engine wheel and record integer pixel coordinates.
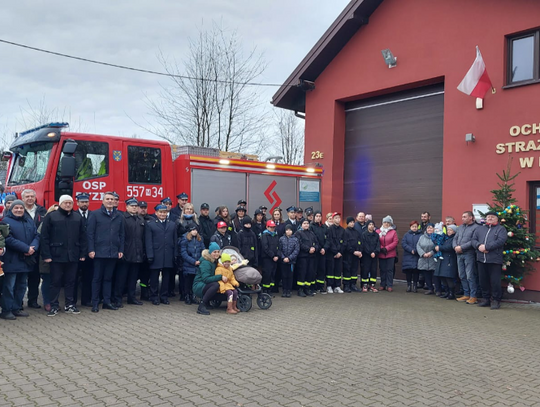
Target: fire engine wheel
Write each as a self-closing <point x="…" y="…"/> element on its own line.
<point x="244" y="303"/>
<point x="215" y="303"/>
<point x="264" y="301"/>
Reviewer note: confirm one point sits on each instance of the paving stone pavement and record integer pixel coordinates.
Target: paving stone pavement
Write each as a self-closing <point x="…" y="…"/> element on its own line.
<point x="391" y="349"/>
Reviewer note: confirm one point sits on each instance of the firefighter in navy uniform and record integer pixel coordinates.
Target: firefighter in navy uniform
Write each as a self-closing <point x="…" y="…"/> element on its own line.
<point x="351" y="257"/>
<point x="305" y="263"/>
<point x="161" y="250"/>
<point x="207" y="226"/>
<point x="144" y="269"/>
<point x="86" y="268"/>
<point x="335" y="244"/>
<point x="128" y="269"/>
<point x="178" y="209"/>
<point x="319" y="228"/>
<point x="269" y="245"/>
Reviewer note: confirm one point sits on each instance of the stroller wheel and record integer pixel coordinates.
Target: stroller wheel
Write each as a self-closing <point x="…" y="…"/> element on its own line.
<point x="244" y="303"/>
<point x="264" y="301"/>
<point x="215" y="303"/>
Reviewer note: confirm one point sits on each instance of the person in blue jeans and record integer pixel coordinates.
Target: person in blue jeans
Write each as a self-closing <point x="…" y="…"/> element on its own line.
<point x="19" y="259"/>
<point x="466" y="258"/>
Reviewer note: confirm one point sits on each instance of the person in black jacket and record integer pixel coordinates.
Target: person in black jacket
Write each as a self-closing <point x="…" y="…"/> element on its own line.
<point x="351" y="257"/>
<point x="221" y="237"/>
<point x="161" y="250"/>
<point x="208" y="228"/>
<point x="305" y="265"/>
<point x="183" y="199"/>
<point x="258" y="225"/>
<point x="106" y="238"/>
<point x="128" y="271"/>
<point x="248" y="242"/>
<point x="86" y="267"/>
<point x="237" y="220"/>
<point x="335" y="245"/>
<point x="269" y="244"/>
<point x="319" y="228"/>
<point x="36" y="213"/>
<point x="371" y="247"/>
<point x="489" y="241"/>
<point x="144" y="268"/>
<point x="63" y="245"/>
<point x="288" y="250"/>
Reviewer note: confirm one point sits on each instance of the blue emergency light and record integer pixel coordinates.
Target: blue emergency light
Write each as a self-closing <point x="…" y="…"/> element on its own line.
<point x="45" y="126"/>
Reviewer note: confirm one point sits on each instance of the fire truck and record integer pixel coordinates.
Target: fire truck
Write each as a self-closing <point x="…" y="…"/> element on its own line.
<point x="53" y="161"/>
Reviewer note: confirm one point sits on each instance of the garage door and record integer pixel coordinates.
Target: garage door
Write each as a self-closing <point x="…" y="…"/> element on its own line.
<point x="393" y="156"/>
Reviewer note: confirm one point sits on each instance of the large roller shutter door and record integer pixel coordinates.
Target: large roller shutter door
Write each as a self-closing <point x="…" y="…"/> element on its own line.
<point x="393" y="156"/>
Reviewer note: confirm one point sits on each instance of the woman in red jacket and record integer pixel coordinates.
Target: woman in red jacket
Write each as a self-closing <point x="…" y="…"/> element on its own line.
<point x="389" y="242"/>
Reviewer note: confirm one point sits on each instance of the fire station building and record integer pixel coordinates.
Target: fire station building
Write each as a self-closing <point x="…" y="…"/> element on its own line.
<point x="393" y="133"/>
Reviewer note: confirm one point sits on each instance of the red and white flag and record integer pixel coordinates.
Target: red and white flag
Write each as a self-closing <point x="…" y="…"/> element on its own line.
<point x="476" y="83"/>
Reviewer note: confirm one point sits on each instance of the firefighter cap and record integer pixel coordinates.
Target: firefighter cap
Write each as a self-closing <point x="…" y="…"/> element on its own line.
<point x="132" y="201"/>
<point x="309" y="211"/>
<point x="82" y="197"/>
<point x="183" y="195"/>
<point x="205" y="206"/>
<point x="335" y="214"/>
<point x="270" y="224"/>
<point x="291" y="209"/>
<point x="143" y="204"/>
<point x="240" y="208"/>
<point x="242" y="202"/>
<point x="221" y="224"/>
<point x="160" y="207"/>
<point x="166" y="200"/>
<point x="299" y="210"/>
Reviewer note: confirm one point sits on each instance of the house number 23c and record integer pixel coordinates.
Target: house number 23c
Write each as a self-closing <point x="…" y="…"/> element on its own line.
<point x="317" y="155"/>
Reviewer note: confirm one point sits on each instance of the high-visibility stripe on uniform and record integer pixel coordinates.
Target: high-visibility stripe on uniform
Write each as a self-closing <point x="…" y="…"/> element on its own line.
<point x="143" y="285"/>
<point x="373" y="280"/>
<point x="365" y="280"/>
<point x="320" y="281"/>
<point x="347" y="278"/>
<point x="354" y="277"/>
<point x="300" y="283"/>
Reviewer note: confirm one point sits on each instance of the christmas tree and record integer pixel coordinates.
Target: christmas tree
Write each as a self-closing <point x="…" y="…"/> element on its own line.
<point x="519" y="250"/>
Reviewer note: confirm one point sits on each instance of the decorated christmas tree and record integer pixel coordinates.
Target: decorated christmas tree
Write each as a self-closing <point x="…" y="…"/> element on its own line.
<point x="519" y="250"/>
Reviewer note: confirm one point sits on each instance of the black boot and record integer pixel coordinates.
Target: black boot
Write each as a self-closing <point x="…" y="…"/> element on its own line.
<point x="451" y="295"/>
<point x="309" y="292"/>
<point x="194" y="299"/>
<point x="301" y="292"/>
<point x="495" y="304"/>
<point x="202" y="309"/>
<point x="346" y="288"/>
<point x="409" y="288"/>
<point x="484" y="303"/>
<point x="188" y="300"/>
<point x="354" y="288"/>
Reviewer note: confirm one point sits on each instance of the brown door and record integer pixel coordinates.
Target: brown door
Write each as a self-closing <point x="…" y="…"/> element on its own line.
<point x="393" y="157"/>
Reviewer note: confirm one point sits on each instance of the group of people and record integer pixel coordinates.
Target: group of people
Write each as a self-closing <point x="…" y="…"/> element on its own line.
<point x="107" y="251"/>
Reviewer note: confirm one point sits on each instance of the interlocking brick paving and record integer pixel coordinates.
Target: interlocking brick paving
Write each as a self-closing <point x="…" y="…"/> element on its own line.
<point x="392" y="349"/>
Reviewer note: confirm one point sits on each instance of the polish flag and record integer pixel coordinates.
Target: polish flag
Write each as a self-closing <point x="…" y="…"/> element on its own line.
<point x="476" y="83"/>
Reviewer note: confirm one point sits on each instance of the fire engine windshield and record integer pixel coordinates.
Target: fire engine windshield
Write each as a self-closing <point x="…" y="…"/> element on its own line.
<point x="31" y="162"/>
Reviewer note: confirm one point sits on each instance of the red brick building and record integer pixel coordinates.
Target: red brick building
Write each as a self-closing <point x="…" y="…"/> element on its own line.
<point x="393" y="140"/>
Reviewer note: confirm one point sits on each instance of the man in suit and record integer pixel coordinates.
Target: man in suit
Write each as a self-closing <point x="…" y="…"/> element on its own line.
<point x="86" y="268"/>
<point x="106" y="238"/>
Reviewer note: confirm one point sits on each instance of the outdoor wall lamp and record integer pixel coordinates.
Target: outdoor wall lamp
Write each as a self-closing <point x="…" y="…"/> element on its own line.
<point x="389" y="58"/>
<point x="470" y="137"/>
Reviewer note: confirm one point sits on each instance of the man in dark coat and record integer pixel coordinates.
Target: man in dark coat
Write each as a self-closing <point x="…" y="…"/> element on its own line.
<point x="63" y="245"/>
<point x="144" y="269"/>
<point x="106" y="239"/>
<point x="208" y="227"/>
<point x="86" y="267"/>
<point x="179" y="208"/>
<point x="128" y="271"/>
<point x="36" y="213"/>
<point x="489" y="240"/>
<point x="248" y="242"/>
<point x="21" y="246"/>
<point x="161" y="250"/>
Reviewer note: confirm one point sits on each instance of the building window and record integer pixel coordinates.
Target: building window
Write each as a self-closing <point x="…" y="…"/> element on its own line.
<point x="144" y="165"/>
<point x="524" y="56"/>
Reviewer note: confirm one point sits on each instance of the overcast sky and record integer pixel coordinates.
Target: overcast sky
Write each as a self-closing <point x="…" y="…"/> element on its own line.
<point x="131" y="33"/>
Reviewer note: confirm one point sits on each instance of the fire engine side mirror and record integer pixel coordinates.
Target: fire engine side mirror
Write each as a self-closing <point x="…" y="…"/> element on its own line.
<point x="6" y="156"/>
<point x="68" y="161"/>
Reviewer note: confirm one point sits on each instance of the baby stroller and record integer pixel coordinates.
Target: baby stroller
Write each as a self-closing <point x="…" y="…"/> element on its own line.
<point x="247" y="276"/>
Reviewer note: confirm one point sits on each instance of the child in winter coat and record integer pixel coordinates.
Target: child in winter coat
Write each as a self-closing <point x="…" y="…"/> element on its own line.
<point x="269" y="245"/>
<point x="224" y="268"/>
<point x="288" y="252"/>
<point x="248" y="242"/>
<point x="191" y="248"/>
<point x="371" y="247"/>
<point x="438" y="238"/>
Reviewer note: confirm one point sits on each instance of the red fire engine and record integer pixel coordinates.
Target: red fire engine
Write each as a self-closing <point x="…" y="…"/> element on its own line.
<point x="53" y="162"/>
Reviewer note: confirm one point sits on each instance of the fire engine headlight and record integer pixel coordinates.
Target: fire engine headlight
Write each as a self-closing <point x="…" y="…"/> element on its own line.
<point x="224" y="162"/>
